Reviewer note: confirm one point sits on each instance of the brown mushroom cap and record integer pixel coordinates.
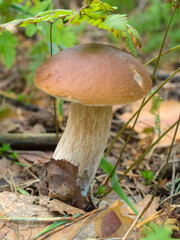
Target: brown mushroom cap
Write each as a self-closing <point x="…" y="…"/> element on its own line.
<point x="94" y="74"/>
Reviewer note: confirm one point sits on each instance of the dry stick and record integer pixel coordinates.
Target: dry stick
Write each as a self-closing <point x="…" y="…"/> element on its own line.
<point x="68" y="224"/>
<point x="125" y="144"/>
<point x="169" y="197"/>
<point x="164" y="169"/>
<point x="127" y="123"/>
<point x="161" y="167"/>
<point x="54" y="99"/>
<point x="142" y="156"/>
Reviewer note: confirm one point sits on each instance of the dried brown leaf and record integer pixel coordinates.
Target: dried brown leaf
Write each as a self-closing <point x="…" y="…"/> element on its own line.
<point x="18" y="205"/>
<point x="63" y="208"/>
<point x="168" y="112"/>
<point x="113" y="222"/>
<point x="59" y="178"/>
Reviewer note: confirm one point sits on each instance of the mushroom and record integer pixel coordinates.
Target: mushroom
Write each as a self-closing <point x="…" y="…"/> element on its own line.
<point x="93" y="77"/>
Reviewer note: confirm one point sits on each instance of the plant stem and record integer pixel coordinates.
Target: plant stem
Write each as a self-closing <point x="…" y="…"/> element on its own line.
<point x="164" y="169"/>
<point x="54" y="99"/>
<point x="162" y="45"/>
<point x="127" y="123"/>
<point x="123" y="149"/>
<point x="162" y="54"/>
<point x="142" y="156"/>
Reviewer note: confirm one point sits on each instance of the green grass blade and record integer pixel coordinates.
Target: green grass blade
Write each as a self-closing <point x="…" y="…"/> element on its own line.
<point x="52" y="226"/>
<point x="22" y="191"/>
<point x="108" y="168"/>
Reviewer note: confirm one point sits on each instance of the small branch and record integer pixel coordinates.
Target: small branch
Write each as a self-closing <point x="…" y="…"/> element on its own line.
<point x="134" y="223"/>
<point x="127" y="123"/>
<point x="30" y="141"/>
<point x="164" y="39"/>
<point x="15" y="102"/>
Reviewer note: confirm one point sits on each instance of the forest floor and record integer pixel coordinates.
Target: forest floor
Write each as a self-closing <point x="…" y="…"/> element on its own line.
<point x="28" y="111"/>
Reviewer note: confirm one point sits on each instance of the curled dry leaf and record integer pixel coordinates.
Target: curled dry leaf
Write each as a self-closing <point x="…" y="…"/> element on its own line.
<point x="59" y="178"/>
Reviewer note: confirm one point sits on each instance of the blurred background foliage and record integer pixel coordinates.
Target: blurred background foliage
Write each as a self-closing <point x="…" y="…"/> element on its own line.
<point x="149" y="17"/>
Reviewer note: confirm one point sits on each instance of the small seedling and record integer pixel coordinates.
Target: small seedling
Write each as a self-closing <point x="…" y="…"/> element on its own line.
<point x="6" y="150"/>
<point x="101" y="190"/>
<point x="147" y="175"/>
<point x="14" y="155"/>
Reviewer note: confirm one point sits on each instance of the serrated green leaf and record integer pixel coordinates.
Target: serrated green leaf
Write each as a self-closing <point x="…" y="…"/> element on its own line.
<point x="116" y="22"/>
<point x="137" y="39"/>
<point x="129" y="43"/>
<point x="7" y="48"/>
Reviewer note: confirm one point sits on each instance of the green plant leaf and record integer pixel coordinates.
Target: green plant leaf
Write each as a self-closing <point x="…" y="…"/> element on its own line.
<point x="7" y="48"/>
<point x="5" y="147"/>
<point x="162" y="233"/>
<point x="116" y="22"/>
<point x="108" y="168"/>
<point x="147" y="175"/>
<point x="95" y="12"/>
<point x="129" y="43"/>
<point x="30" y="30"/>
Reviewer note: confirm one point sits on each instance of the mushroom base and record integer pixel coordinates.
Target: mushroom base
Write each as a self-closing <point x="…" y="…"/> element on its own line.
<point x="84" y="141"/>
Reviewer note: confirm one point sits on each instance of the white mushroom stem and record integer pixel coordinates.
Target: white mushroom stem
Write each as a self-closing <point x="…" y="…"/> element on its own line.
<point x="84" y="140"/>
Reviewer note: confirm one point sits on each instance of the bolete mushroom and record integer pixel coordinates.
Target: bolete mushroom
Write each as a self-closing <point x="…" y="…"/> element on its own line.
<point x="93" y="77"/>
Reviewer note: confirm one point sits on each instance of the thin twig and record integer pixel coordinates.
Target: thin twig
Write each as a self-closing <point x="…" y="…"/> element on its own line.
<point x="68" y="224"/>
<point x="173" y="180"/>
<point x="163" y="42"/>
<point x="54" y="99"/>
<point x="169" y="197"/>
<point x="125" y="144"/>
<point x="162" y="54"/>
<point x="130" y="192"/>
<point x="127" y="123"/>
<point x="164" y="169"/>
<point x="55" y="119"/>
<point x="143" y="155"/>
<point x="134" y="223"/>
